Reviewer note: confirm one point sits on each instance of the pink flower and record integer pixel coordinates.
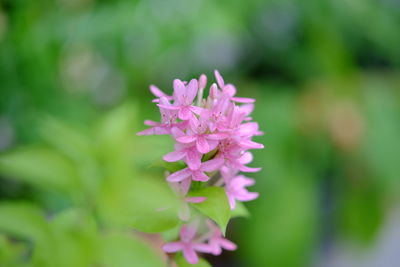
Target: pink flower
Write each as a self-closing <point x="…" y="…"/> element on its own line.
<point x="217" y="114"/>
<point x="168" y="121"/>
<point x="202" y="81"/>
<point x="198" y="174"/>
<point x="235" y="157"/>
<point x="220" y="123"/>
<point x="235" y="187"/>
<point x="217" y="242"/>
<point x="158" y="93"/>
<point x="184" y="96"/>
<point x="230" y="90"/>
<point x="188" y="152"/>
<point x="187" y="245"/>
<point x="227" y="89"/>
<point x="205" y="142"/>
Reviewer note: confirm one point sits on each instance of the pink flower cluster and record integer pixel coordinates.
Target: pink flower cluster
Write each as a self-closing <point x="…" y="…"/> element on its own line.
<point x="212" y="135"/>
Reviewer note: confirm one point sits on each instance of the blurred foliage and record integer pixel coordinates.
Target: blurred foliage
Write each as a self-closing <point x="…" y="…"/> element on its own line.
<point x="326" y="78"/>
<point x="92" y="198"/>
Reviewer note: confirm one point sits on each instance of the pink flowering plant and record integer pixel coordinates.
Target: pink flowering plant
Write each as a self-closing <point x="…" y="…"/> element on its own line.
<point x="213" y="136"/>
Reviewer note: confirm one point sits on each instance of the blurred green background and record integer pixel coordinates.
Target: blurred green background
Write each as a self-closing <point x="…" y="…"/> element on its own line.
<point x="74" y="78"/>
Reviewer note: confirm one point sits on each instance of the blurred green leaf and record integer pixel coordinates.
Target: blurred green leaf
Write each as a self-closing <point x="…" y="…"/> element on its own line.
<point x="285" y="223"/>
<point x="115" y="131"/>
<point x="171" y="234"/>
<point x="66" y="139"/>
<point x="11" y="253"/>
<point x="78" y="147"/>
<point x="216" y="206"/>
<point x="361" y="212"/>
<point x="40" y="166"/>
<point x="240" y="211"/>
<point x="75" y="238"/>
<point x="170" y="166"/>
<point x="118" y="250"/>
<point x="24" y="220"/>
<point x="147" y="204"/>
<point x="182" y="262"/>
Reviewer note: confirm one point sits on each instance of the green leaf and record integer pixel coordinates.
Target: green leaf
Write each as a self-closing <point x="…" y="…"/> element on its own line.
<point x="240" y="211"/>
<point x="77" y="146"/>
<point x="11" y="252"/>
<point x="23" y="220"/>
<point x="209" y="155"/>
<point x="75" y="236"/>
<point x="66" y="139"/>
<point x="181" y="262"/>
<point x="171" y="234"/>
<point x="216" y="206"/>
<point x="114" y="136"/>
<point x="173" y="166"/>
<point x="114" y="131"/>
<point x="41" y="167"/>
<point x="145" y="204"/>
<point x="118" y="250"/>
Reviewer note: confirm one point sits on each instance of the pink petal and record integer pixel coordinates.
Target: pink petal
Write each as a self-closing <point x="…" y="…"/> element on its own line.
<point x="227" y="244"/>
<point x="215" y="248"/>
<point x="214" y="92"/>
<point x="249" y="169"/>
<point x="185" y="186"/>
<point x="156" y="92"/>
<point x="247" y="108"/>
<point x="186" y="139"/>
<point x="248" y="129"/>
<point x="227" y="173"/>
<point x="168" y="107"/>
<point x="246" y="158"/>
<point x="217" y="136"/>
<point x="191" y="90"/>
<point x="230" y="90"/>
<point x="190" y="255"/>
<point x="154" y="131"/>
<point x="202" y="81"/>
<point x="172" y="247"/>
<point x="212" y="126"/>
<point x="151" y="123"/>
<point x="194" y="124"/>
<point x="247" y="196"/>
<point x="179" y="175"/>
<point x="242" y="181"/>
<point x="213" y="144"/>
<point x="193" y="159"/>
<point x="200" y="176"/>
<point x="174" y="156"/>
<point x="205" y="248"/>
<point x="185" y="113"/>
<point x="195" y="199"/>
<point x="237" y="116"/>
<point x="176" y="132"/>
<point x="179" y="88"/>
<point x="157" y="100"/>
<point x="244" y="100"/>
<point x="232" y="201"/>
<point x="188" y="232"/>
<point x="219" y="79"/>
<point x="212" y="165"/>
<point x="248" y="144"/>
<point x="202" y="145"/>
<point x="197" y="110"/>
